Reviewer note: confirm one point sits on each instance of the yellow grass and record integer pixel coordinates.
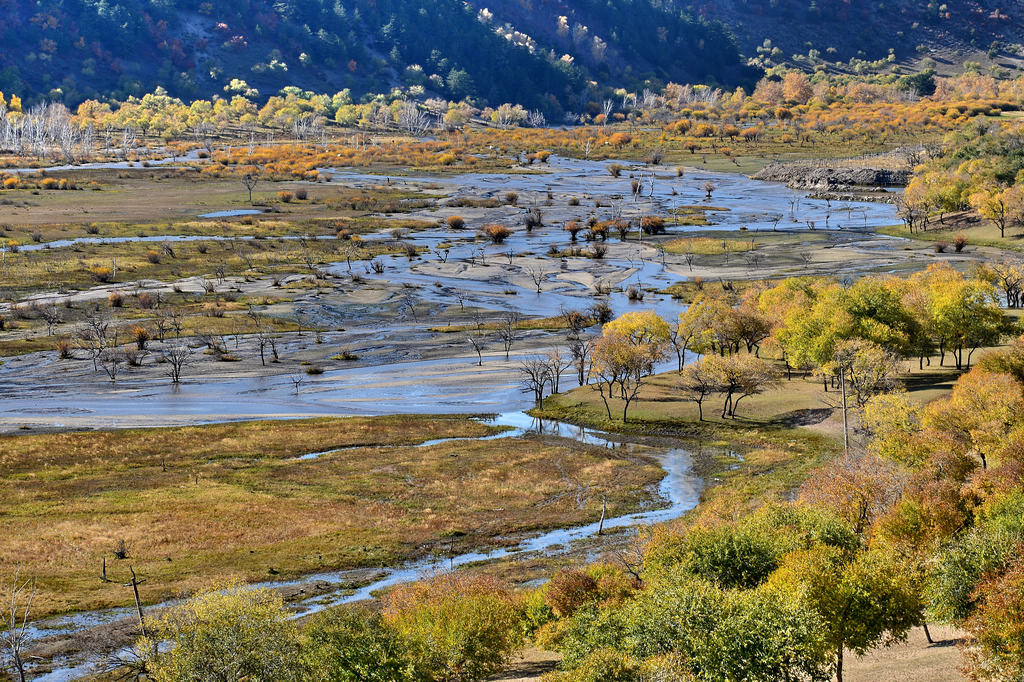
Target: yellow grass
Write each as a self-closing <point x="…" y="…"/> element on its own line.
<point x="212" y="502"/>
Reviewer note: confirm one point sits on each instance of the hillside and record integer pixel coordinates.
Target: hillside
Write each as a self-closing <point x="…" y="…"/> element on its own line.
<point x="949" y="32"/>
<point x="94" y="48"/>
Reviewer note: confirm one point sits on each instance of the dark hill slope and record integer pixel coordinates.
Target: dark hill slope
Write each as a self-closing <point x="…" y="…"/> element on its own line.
<point x="75" y="49"/>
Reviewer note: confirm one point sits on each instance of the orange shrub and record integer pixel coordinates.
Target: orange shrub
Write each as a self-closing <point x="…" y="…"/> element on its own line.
<point x="496" y="233"/>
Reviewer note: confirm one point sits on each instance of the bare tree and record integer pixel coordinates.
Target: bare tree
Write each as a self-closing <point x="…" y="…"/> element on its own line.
<point x="250" y="184"/>
<point x="534" y="375"/>
<point x="52" y="316"/>
<point x="557" y="364"/>
<point x="177" y="358"/>
<point x="15" y="630"/>
<point x="111" y="361"/>
<point x="537" y="276"/>
<point x="580" y="350"/>
<point x="93" y="337"/>
<point x="509" y="331"/>
<point x="478" y="345"/>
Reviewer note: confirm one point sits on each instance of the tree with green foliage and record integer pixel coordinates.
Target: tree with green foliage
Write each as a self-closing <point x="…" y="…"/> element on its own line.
<point x="226" y="635"/>
<point x="863" y="600"/>
<point x="456" y="627"/>
<point x="354" y="645"/>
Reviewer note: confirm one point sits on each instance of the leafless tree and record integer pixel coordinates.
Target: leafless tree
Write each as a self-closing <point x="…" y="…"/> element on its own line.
<point x="690" y="257"/>
<point x="250" y="184"/>
<point x="111" y="361"/>
<point x="407" y="304"/>
<point x="94" y="336"/>
<point x="557" y="364"/>
<point x="128" y="140"/>
<point x="533" y="373"/>
<point x="176" y="320"/>
<point x="478" y="345"/>
<point x="15" y="622"/>
<point x="509" y="331"/>
<point x="52" y="316"/>
<point x="580" y="349"/>
<point x="537" y="276"/>
<point x="177" y="358"/>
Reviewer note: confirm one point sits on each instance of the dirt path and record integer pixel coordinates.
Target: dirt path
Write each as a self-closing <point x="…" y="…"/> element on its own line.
<point x="913" y="661"/>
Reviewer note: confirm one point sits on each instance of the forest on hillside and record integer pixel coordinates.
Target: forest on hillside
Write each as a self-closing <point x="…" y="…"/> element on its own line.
<point x="83" y="49"/>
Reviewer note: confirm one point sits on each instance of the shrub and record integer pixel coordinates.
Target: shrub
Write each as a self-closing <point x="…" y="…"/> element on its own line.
<point x="48" y="183"/>
<point x="285" y="197"/>
<point x="573" y="227"/>
<point x="354" y="645"/>
<point x="153" y="257"/>
<point x="959" y="242"/>
<point x="600" y="312"/>
<point x="543" y="156"/>
<point x="301" y="194"/>
<point x="141" y="336"/>
<point x="600" y="250"/>
<point x="496" y="233"/>
<point x="228" y="634"/>
<point x="11" y="183"/>
<point x="615" y="169"/>
<point x="940" y="247"/>
<point x="64" y="348"/>
<point x="446" y="159"/>
<point x="458" y="627"/>
<point x="574" y="201"/>
<point x="92" y="228"/>
<point x="568" y="590"/>
<point x="511" y="198"/>
<point x="455" y="222"/>
<point x="314" y="370"/>
<point x="102" y="274"/>
<point x="115" y="299"/>
<point x="533" y="219"/>
<point x="147" y="301"/>
<point x="652" y="224"/>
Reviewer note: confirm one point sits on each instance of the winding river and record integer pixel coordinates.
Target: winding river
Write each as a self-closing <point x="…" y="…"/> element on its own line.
<point x="451" y="384"/>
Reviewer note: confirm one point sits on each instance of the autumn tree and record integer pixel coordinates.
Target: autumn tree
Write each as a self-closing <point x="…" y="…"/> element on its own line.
<point x="625" y="355"/>
<point x="863" y="600"/>
<point x="992" y="204"/>
<point x="738" y="377"/>
<point x="457" y="627"/>
<point x="226" y="635"/>
<point x="796" y="87"/>
<point x="697" y="383"/>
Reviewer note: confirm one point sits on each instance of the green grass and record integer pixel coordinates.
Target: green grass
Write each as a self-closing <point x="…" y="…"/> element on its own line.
<point x="981" y="234"/>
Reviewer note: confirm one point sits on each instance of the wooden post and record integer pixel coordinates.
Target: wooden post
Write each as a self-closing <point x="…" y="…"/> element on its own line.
<point x="604" y="510"/>
<point x="846" y="428"/>
<point x="138" y="604"/>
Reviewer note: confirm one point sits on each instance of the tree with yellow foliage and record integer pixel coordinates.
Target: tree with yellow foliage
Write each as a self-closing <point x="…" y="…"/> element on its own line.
<point x="796" y="88"/>
<point x="625" y="355"/>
